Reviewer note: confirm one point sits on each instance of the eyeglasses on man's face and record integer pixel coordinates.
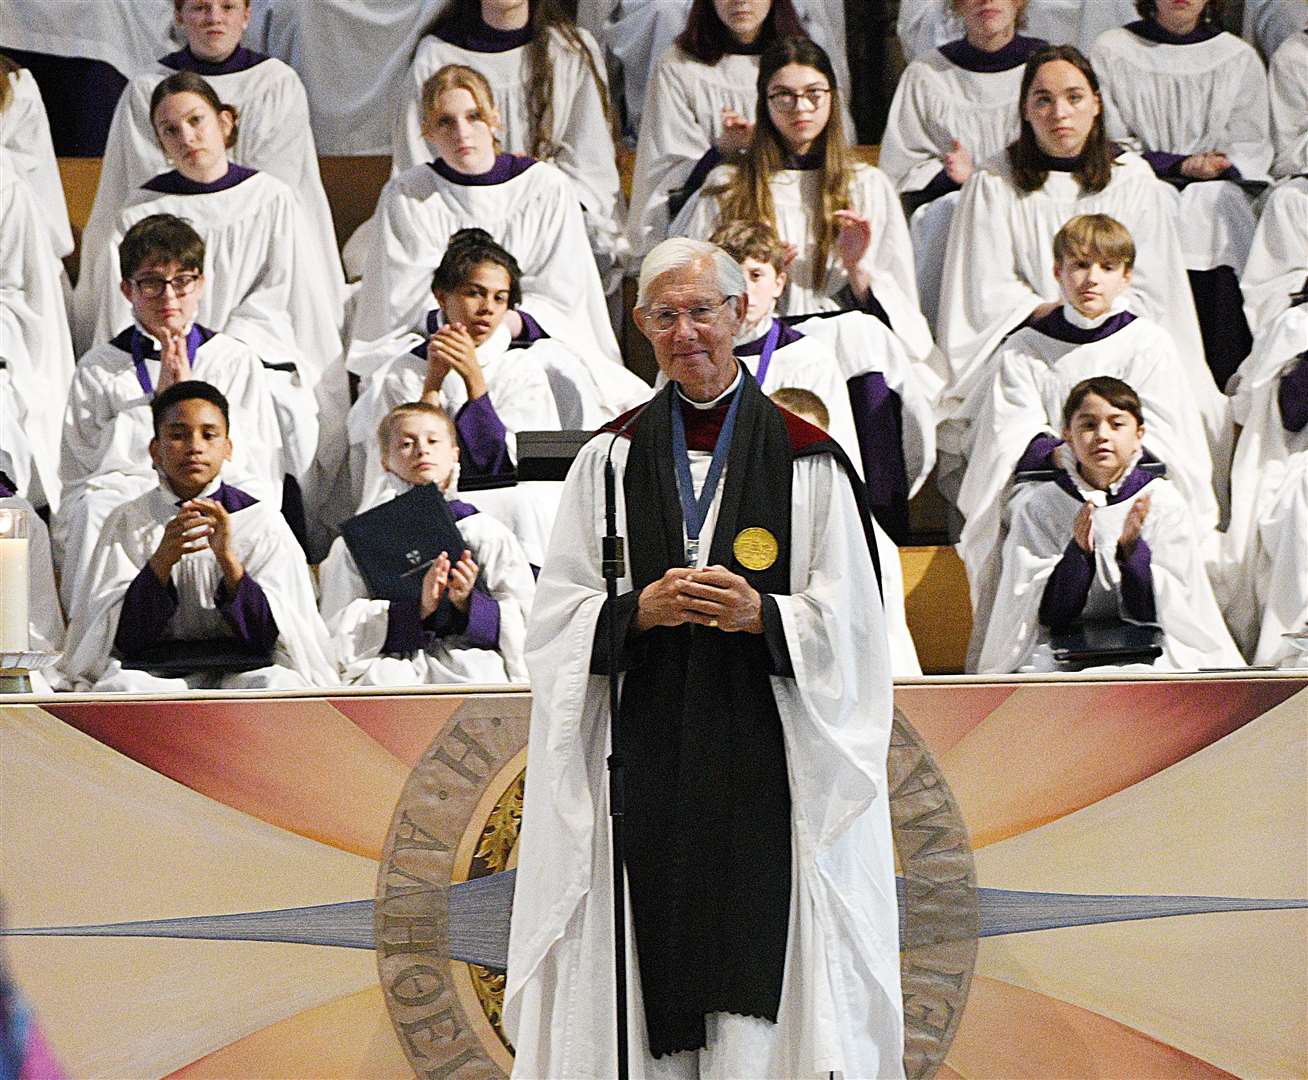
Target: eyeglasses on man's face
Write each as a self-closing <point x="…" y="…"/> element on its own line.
<point x="152" y="287"/>
<point x="660" y="320"/>
<point x="788" y="100"/>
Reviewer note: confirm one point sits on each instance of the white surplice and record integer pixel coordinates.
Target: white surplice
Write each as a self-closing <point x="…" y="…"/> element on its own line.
<point x="535" y="216"/>
<point x="580" y="132"/>
<point x="841" y="1007"/>
<point x="273" y="135"/>
<point x="924" y="25"/>
<point x="1280" y="570"/>
<point x="1034" y="374"/>
<point x="125" y="34"/>
<point x="35" y="344"/>
<point x="263" y="543"/>
<point x="1278" y="259"/>
<point x="106" y="442"/>
<point x="1191" y="99"/>
<point x="358" y="624"/>
<point x="1000" y="266"/>
<point x="25" y="134"/>
<point x="1287" y="85"/>
<point x="797" y="201"/>
<point x="1194" y="635"/>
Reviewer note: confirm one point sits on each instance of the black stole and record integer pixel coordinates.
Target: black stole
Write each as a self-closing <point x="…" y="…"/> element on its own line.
<point x="708" y="797"/>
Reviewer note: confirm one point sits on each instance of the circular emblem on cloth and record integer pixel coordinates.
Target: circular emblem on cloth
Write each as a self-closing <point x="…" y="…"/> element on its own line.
<point x="755" y="548"/>
<point x="444" y="894"/>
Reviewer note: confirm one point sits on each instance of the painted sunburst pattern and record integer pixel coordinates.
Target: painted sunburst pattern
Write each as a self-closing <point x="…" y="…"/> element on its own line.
<point x="247" y="887"/>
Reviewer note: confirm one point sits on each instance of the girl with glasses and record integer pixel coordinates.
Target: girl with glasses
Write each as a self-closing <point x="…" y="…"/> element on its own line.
<point x="840" y="218"/>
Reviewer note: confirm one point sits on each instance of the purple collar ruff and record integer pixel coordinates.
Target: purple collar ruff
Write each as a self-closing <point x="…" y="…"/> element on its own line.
<point x="1151" y="31"/>
<point x="1056" y="326"/>
<point x="174" y="183"/>
<point x="506" y="167"/>
<point x="964" y="54"/>
<point x="475" y="34"/>
<point x="242" y="59"/>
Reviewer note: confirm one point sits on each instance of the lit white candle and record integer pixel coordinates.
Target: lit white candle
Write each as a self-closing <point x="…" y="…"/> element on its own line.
<point x="14" y="581"/>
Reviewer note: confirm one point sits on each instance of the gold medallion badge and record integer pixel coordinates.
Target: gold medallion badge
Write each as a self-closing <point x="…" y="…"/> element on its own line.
<point x="755" y="548"/>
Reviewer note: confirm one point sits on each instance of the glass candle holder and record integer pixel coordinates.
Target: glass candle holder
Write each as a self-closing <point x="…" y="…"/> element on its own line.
<point x="14" y="580"/>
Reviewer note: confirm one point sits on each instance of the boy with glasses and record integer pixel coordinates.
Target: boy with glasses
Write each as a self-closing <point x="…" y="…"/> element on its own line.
<point x="107" y="427"/>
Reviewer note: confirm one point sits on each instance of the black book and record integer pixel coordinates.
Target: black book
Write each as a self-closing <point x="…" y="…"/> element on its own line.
<point x="226" y="655"/>
<point x="393" y="544"/>
<point x="1106" y="641"/>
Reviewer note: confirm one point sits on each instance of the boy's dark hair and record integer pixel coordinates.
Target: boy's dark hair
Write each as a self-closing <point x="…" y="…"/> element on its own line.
<point x="1117" y="393"/>
<point x="190" y="390"/>
<point x="467" y="250"/>
<point x="160" y="238"/>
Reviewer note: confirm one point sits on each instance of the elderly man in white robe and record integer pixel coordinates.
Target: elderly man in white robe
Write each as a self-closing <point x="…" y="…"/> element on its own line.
<point x="762" y="939"/>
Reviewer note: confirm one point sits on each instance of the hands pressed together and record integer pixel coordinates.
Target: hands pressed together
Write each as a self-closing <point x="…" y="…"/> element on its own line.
<point x="200" y="523"/>
<point x="441" y="577"/>
<point x="174" y="361"/>
<point x="1083" y="527"/>
<point x="451" y="348"/>
<point x="712" y="596"/>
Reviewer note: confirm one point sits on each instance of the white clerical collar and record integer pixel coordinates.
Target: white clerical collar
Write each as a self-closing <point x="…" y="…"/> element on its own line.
<point x="205" y="493"/>
<point x="755" y="330"/>
<point x="717" y="400"/>
<point x="186" y="330"/>
<point x="1083" y="323"/>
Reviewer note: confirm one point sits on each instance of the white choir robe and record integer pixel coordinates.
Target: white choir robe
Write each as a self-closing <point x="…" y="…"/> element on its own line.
<point x="580" y="132"/>
<point x="304" y="655"/>
<point x="35" y="343"/>
<point x="358" y="624"/>
<point x="516" y="383"/>
<point x="352" y="58"/>
<point x="1280" y="571"/>
<point x="637" y="31"/>
<point x="25" y="133"/>
<point x="125" y="34"/>
<point x="1194" y="635"/>
<point x="45" y="618"/>
<point x="796" y="197"/>
<point x="1264" y="454"/>
<point x="1268" y="23"/>
<point x="1190" y="99"/>
<point x="106" y="444"/>
<point x="841" y="1002"/>
<point x="273" y="136"/>
<point x="985" y="293"/>
<point x="924" y="25"/>
<point x="1278" y="260"/>
<point x="534" y="215"/>
<point x="936" y="102"/>
<point x="1034" y="373"/>
<point x="1287" y="86"/>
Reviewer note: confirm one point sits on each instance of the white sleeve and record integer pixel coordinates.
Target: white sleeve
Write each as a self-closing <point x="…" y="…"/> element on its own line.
<point x="910" y="150"/>
<point x="1249" y="133"/>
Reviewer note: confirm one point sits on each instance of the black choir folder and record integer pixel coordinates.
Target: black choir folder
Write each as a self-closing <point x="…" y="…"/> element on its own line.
<point x="393" y="544"/>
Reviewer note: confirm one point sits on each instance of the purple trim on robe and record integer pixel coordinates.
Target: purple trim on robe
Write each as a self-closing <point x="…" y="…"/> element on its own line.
<point x="680" y="196"/>
<point x="940" y="185"/>
<point x="242" y="59"/>
<point x="482" y="448"/>
<point x="1164" y="163"/>
<point x="1138" y="582"/>
<point x="879" y="425"/>
<point x="1048" y="163"/>
<point x="247" y="612"/>
<point x="962" y="53"/>
<point x="1132" y="485"/>
<point x="506" y="167"/>
<point x="1151" y="31"/>
<point x="148" y="606"/>
<point x="1292" y="396"/>
<point x="404" y="632"/>
<point x="470" y="31"/>
<point x="1068" y="588"/>
<point x="133" y="341"/>
<point x="1055" y="325"/>
<point x="6" y="487"/>
<point x="787" y="336"/>
<point x="461" y="509"/>
<point x="1038" y="453"/>
<point x="814" y="159"/>
<point x="532" y="331"/>
<point x="482" y="629"/>
<point x="229" y="498"/>
<point x="174" y="183"/>
<point x="869" y="305"/>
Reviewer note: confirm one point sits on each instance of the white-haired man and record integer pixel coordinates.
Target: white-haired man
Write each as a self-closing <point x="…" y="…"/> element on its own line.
<point x="755" y="721"/>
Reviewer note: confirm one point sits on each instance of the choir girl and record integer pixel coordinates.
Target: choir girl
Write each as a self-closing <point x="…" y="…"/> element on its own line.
<point x="45" y="619"/>
<point x="699" y="107"/>
<point x="108" y="424"/>
<point x="999" y="262"/>
<point x="1106" y="540"/>
<point x="1287" y="80"/>
<point x="841" y="217"/>
<point x="550" y="90"/>
<point x="1278" y="259"/>
<point x="469" y="623"/>
<point x="196" y="568"/>
<point x="1017" y="414"/>
<point x="1269" y="403"/>
<point x="953" y="108"/>
<point x="274" y="133"/>
<point x="1193" y="100"/>
<point x="35" y="345"/>
<point x="25" y="134"/>
<point x="528" y="206"/>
